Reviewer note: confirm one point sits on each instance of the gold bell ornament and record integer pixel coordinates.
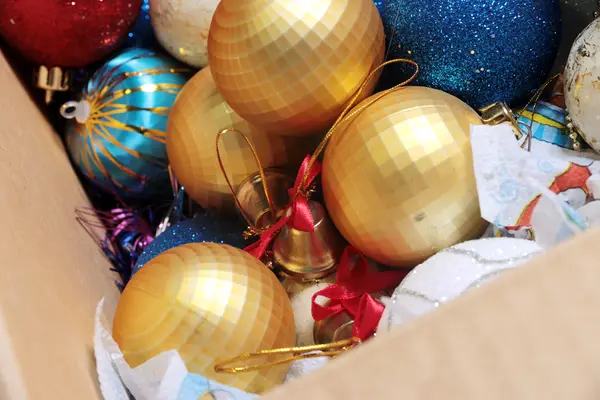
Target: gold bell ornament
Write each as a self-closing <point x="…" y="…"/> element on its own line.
<point x="350" y="307"/>
<point x="398" y="177"/>
<point x="208" y="301"/>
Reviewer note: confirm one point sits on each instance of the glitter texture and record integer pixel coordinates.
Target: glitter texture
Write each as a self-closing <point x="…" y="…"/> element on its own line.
<point x="66" y="33"/>
<point x="142" y="34"/>
<point x="202" y="228"/>
<point x="452" y="272"/>
<point x="480" y="51"/>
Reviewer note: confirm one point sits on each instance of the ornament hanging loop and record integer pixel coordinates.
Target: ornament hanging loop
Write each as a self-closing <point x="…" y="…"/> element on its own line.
<point x="252" y="228"/>
<point x="295" y="353"/>
<point x="80" y="110"/>
<point x="348" y="114"/>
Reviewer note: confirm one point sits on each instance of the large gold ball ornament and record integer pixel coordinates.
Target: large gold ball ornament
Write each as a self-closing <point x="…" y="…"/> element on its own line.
<point x="398" y="179"/>
<point x="196" y="118"/>
<point x="210" y="302"/>
<point x="290" y="66"/>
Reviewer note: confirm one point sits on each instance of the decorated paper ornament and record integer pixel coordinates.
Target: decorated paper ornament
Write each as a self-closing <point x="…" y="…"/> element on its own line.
<point x="290" y="67"/>
<point x="182" y="26"/>
<point x="66" y="34"/>
<point x="482" y="51"/>
<point x="398" y="179"/>
<point x="198" y="115"/>
<point x="210" y="302"/>
<point x="205" y="227"/>
<point x="582" y="84"/>
<point x="549" y="125"/>
<point x="452" y="272"/>
<point x="116" y="136"/>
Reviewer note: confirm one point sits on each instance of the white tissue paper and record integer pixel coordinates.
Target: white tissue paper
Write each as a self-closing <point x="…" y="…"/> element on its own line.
<point x="165" y="377"/>
<point x="539" y="190"/>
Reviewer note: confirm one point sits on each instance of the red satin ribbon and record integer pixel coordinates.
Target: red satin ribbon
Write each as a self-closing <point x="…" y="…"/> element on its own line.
<point x="297" y="213"/>
<point x="351" y="293"/>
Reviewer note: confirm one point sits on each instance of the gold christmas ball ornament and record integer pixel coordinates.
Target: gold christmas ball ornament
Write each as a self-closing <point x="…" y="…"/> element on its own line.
<point x="209" y="302"/>
<point x="181" y="27"/>
<point x="398" y="178"/>
<point x="291" y="66"/>
<point x="196" y="118"/>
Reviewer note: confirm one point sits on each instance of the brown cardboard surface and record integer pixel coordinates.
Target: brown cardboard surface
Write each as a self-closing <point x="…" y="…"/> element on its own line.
<point x="532" y="334"/>
<point x="51" y="274"/>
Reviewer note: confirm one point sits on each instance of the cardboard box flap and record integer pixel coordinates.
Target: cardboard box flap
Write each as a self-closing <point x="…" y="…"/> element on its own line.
<point x="532" y="334"/>
<point x="52" y="275"/>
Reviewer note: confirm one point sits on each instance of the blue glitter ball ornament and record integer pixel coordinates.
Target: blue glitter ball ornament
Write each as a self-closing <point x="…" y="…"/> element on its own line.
<point x="206" y="227"/>
<point x="480" y="51"/>
<point x="142" y="34"/>
<point x="116" y="136"/>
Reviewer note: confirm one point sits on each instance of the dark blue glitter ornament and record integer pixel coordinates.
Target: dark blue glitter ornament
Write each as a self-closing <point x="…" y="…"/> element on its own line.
<point x="142" y="34"/>
<point x="205" y="227"/>
<point x="480" y="51"/>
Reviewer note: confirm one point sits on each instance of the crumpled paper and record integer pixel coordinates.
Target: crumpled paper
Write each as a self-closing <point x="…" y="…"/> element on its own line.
<point x="539" y="190"/>
<point x="165" y="377"/>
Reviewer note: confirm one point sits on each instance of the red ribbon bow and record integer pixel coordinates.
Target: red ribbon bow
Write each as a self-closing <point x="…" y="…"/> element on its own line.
<point x="297" y="213"/>
<point x="351" y="293"/>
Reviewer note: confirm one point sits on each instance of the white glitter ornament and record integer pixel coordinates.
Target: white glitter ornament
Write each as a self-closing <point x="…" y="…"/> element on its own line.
<point x="452" y="272"/>
<point x="582" y="84"/>
<point x="181" y="27"/>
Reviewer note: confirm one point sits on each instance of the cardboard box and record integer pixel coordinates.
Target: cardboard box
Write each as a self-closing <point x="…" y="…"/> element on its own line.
<point x="532" y="334"/>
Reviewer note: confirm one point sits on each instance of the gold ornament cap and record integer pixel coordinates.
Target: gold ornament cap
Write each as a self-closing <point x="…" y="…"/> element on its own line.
<point x="309" y="255"/>
<point x="53" y="80"/>
<point x="498" y="113"/>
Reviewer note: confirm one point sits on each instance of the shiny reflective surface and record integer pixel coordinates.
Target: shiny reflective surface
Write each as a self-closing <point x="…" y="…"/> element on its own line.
<point x="309" y="255"/>
<point x="398" y="180"/>
<point x="210" y="302"/>
<point x="253" y="200"/>
<point x="291" y="66"/>
<point x="198" y="115"/>
<point x="120" y="146"/>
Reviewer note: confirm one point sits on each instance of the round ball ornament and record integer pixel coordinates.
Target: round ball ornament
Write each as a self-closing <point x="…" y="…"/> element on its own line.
<point x="452" y="272"/>
<point x="290" y="67"/>
<point x="398" y="179"/>
<point x="182" y="26"/>
<point x="116" y="136"/>
<point x="205" y="227"/>
<point x="582" y="84"/>
<point x="197" y="117"/>
<point x="480" y="51"/>
<point x="66" y="33"/>
<point x="210" y="302"/>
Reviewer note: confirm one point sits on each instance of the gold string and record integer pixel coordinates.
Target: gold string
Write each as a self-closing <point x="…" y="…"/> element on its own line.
<point x="534" y="99"/>
<point x="346" y="114"/>
<point x="296" y="353"/>
<point x="253" y="229"/>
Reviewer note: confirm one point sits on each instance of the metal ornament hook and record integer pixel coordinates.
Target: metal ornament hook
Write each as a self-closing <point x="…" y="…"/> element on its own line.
<point x="498" y="113"/>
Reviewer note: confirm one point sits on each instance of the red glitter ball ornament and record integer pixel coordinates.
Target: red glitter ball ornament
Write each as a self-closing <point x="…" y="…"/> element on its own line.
<point x="63" y="33"/>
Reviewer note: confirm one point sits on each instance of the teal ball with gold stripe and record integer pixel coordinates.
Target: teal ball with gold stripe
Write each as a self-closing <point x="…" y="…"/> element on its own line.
<point x="117" y="133"/>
